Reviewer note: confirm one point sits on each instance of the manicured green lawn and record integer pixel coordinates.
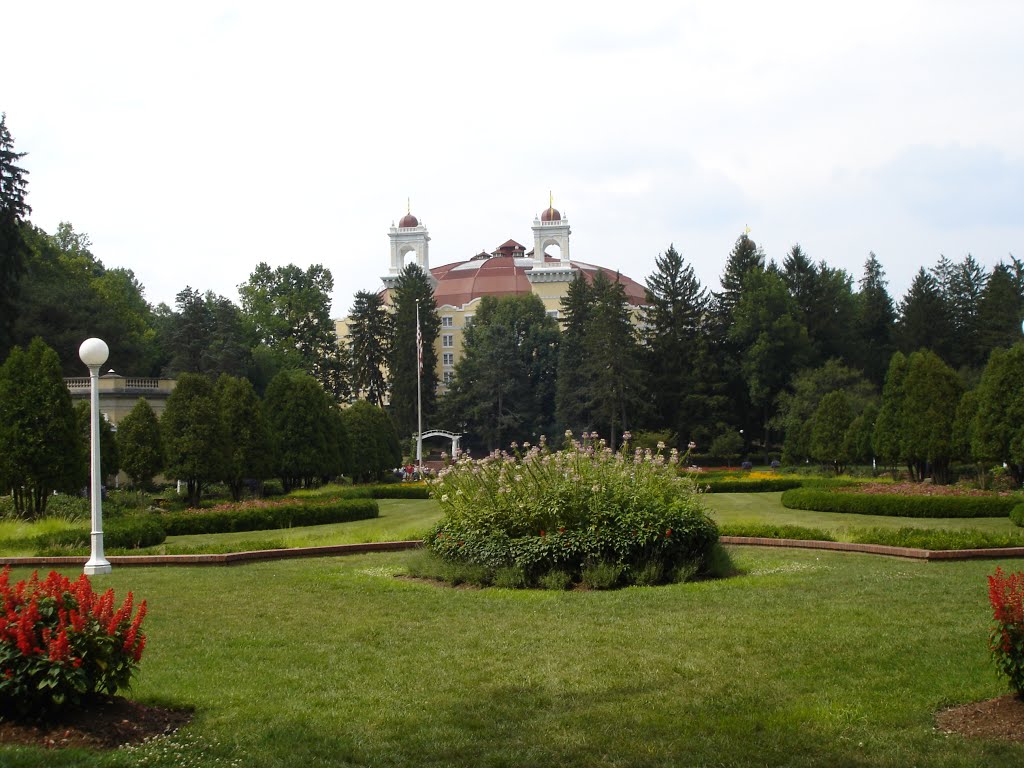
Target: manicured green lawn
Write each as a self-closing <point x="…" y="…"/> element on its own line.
<point x="767" y="508"/>
<point x="810" y="659"/>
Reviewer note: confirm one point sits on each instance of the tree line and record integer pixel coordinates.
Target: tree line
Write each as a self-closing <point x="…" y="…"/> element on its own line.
<point x="733" y="370"/>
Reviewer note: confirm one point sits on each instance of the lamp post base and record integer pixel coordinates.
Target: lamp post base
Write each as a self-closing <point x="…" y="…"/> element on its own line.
<point x="97" y="567"/>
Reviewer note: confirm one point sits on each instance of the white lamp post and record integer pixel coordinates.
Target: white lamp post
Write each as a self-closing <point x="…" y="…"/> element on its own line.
<point x="94" y="353"/>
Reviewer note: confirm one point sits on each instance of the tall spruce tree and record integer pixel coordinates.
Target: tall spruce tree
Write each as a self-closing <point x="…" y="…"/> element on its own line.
<point x="967" y="286"/>
<point x="999" y="311"/>
<point x="673" y="318"/>
<point x="413" y="286"/>
<point x="369" y="343"/>
<point x="571" y="398"/>
<point x="924" y="317"/>
<point x="13" y="213"/>
<point x="874" y="324"/>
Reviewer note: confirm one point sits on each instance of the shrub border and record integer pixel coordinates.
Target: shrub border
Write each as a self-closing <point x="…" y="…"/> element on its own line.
<point x="894" y="505"/>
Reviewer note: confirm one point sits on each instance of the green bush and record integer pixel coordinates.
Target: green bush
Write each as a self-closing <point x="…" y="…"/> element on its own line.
<point x="68" y="507"/>
<point x="556" y="579"/>
<point x="774" y="531"/>
<point x="61" y="643"/>
<point x="893" y="505"/>
<point x="1017" y="515"/>
<point x="936" y="539"/>
<point x="601" y="575"/>
<point x="546" y="511"/>
<point x="267" y="515"/>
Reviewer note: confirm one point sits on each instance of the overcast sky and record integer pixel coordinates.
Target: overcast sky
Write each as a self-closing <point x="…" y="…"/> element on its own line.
<point x="193" y="140"/>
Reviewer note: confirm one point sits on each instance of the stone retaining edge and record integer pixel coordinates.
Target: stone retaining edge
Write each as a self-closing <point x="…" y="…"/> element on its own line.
<point x="337" y="550"/>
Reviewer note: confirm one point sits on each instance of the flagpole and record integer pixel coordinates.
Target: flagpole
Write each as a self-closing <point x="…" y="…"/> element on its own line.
<point x="419" y="393"/>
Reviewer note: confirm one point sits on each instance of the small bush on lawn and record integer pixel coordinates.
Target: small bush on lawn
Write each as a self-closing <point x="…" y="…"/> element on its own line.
<point x="1017" y="515"/>
<point x="602" y="575"/>
<point x="581" y="507"/>
<point x="556" y="579"/>
<point x="1006" y="639"/>
<point x="268" y="515"/>
<point x="61" y="643"/>
<point x="894" y="505"/>
<point x="510" y="578"/>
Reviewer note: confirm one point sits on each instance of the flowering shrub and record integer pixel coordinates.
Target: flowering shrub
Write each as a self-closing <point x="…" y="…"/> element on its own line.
<point x="1006" y="640"/>
<point x="541" y="511"/>
<point x="60" y="643"/>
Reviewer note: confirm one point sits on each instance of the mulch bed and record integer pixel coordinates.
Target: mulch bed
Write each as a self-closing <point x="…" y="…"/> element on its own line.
<point x="1001" y="718"/>
<point x="110" y="723"/>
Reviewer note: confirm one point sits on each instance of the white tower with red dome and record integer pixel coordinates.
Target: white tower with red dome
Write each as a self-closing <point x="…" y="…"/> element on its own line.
<point x="409" y="235"/>
<point x="551" y="228"/>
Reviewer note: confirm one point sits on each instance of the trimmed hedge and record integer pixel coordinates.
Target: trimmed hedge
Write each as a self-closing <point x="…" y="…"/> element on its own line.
<point x="770" y="531"/>
<point x="936" y="539"/>
<point x="751" y="486"/>
<point x="386" y="491"/>
<point x="291" y="513"/>
<point x="1017" y="515"/>
<point x="121" y="533"/>
<point x="893" y="505"/>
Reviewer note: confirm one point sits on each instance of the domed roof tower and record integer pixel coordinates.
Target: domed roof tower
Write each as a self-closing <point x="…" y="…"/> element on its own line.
<point x="409" y="235"/>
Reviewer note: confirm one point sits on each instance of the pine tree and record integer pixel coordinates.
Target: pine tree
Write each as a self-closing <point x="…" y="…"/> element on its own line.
<point x="413" y="286"/>
<point x="13" y="213"/>
<point x="571" y="393"/>
<point x="138" y="442"/>
<point x="967" y="286"/>
<point x="673" y="318"/>
<point x="249" y="442"/>
<point x="886" y="439"/>
<point x="999" y="312"/>
<point x="931" y="393"/>
<point x="746" y="257"/>
<point x="875" y="323"/>
<point x="193" y="436"/>
<point x="924" y="317"/>
<point x="369" y="343"/>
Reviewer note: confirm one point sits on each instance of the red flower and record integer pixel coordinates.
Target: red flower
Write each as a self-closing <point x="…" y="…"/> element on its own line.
<point x="668" y="533"/>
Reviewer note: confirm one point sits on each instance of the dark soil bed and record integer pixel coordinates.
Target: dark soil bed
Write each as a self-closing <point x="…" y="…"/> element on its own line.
<point x="109" y="723"/>
<point x="1001" y="718"/>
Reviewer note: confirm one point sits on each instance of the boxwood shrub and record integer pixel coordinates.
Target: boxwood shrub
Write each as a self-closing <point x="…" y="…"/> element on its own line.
<point x="1017" y="514"/>
<point x="893" y="505"/>
<point x="260" y="516"/>
<point x="765" y="485"/>
<point x="582" y="510"/>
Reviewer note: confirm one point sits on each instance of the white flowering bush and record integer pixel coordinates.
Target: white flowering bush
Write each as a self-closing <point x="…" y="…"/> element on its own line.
<point x="543" y="511"/>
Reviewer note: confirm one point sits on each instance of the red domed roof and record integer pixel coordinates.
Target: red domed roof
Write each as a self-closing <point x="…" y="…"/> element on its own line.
<point x="409" y="221"/>
<point x="550" y="214"/>
<point x="462" y="282"/>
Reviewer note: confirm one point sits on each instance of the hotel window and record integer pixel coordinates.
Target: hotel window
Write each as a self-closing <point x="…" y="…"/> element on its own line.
<point x="447" y="340"/>
<point x="449" y="358"/>
<point x="448" y="377"/>
<point x="446" y="321"/>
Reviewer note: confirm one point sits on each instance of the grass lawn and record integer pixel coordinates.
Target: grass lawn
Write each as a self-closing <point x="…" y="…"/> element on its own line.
<point x="767" y="508"/>
<point x="810" y="659"/>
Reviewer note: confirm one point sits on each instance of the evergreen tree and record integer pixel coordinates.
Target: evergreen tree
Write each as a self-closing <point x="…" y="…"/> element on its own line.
<point x="138" y="444"/>
<point x="110" y="459"/>
<point x="886" y="439"/>
<point x="999" y="312"/>
<point x="874" y="325"/>
<point x="571" y="398"/>
<point x="832" y="420"/>
<point x="369" y="340"/>
<point x="376" y="448"/>
<point x="413" y="287"/>
<point x="13" y="213"/>
<point x="40" y="450"/>
<point x="193" y="435"/>
<point x="746" y="257"/>
<point x="998" y="434"/>
<point x="611" y="365"/>
<point x="924" y="317"/>
<point x="931" y="393"/>
<point x="771" y="339"/>
<point x="967" y="286"/>
<point x="673" y="320"/>
<point x="504" y="385"/>
<point x="299" y="416"/>
<point x="857" y="443"/>
<point x="249" y="441"/>
<point x="207" y="335"/>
